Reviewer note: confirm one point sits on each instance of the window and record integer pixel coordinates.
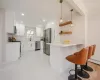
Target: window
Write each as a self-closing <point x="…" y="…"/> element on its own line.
<point x="30" y="33"/>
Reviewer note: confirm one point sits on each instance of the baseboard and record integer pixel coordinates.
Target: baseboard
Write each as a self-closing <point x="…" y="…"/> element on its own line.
<point x="95" y="61"/>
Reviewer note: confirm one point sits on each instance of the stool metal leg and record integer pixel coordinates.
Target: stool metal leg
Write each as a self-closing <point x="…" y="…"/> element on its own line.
<point x="74" y="77"/>
<point x="75" y="71"/>
<point x="83" y="73"/>
<point x="87" y="68"/>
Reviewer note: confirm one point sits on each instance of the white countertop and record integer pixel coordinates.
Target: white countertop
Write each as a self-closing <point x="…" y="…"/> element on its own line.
<point x="63" y="45"/>
<point x="13" y="43"/>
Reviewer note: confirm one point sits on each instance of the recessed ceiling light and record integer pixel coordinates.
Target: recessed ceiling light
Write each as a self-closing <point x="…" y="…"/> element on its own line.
<point x="22" y="14"/>
<point x="44" y="20"/>
<point x="52" y="23"/>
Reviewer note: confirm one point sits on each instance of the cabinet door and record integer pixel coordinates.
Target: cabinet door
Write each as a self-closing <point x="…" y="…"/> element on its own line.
<point x="20" y="29"/>
<point x="32" y="46"/>
<point x="9" y="21"/>
<point x="12" y="51"/>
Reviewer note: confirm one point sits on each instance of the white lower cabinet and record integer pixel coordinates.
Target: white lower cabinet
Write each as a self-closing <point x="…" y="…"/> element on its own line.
<point x="32" y="46"/>
<point x="12" y="51"/>
<point x="28" y="46"/>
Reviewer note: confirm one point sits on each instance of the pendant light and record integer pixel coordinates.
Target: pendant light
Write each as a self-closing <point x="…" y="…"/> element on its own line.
<point x="72" y="17"/>
<point x="61" y="20"/>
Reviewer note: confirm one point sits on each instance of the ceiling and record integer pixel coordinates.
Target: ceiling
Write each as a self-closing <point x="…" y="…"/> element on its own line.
<point x="36" y="10"/>
<point x="93" y="6"/>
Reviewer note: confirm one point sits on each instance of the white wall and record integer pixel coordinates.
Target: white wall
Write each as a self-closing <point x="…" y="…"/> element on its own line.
<point x="83" y="11"/>
<point x="78" y="30"/>
<point x="93" y="34"/>
<point x="2" y="35"/>
<point x="93" y="30"/>
<point x="1" y="26"/>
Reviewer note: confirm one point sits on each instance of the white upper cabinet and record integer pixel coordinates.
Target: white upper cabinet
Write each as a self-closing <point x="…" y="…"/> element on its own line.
<point x="9" y="21"/>
<point x="39" y="31"/>
<point x="20" y="29"/>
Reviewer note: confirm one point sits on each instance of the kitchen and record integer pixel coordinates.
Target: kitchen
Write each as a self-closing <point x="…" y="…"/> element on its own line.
<point x="56" y="31"/>
<point x="18" y="31"/>
<point x="19" y="38"/>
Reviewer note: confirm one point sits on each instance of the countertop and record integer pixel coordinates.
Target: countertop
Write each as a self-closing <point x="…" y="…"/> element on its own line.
<point x="63" y="45"/>
<point x="16" y="41"/>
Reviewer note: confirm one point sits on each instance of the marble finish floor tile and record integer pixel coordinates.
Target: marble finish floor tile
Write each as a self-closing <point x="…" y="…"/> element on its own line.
<point x="36" y="66"/>
<point x="32" y="66"/>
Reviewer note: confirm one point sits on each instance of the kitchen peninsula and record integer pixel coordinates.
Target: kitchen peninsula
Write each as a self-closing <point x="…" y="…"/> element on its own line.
<point x="58" y="53"/>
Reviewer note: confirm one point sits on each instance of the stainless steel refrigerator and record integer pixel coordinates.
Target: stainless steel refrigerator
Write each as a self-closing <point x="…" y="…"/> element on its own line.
<point x="47" y="39"/>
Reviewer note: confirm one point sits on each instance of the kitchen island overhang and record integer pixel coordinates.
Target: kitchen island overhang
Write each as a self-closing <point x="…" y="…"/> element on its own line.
<point x="58" y="53"/>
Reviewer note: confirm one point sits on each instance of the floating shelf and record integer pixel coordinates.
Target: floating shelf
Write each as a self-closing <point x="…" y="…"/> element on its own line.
<point x="65" y="23"/>
<point x="67" y="32"/>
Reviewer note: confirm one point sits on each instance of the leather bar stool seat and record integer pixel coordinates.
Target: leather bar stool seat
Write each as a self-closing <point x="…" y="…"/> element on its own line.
<point x="94" y="47"/>
<point x="78" y="58"/>
<point x="90" y="54"/>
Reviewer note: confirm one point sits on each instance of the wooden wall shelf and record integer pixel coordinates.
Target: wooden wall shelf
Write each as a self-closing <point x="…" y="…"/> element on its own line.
<point x="67" y="32"/>
<point x="65" y="23"/>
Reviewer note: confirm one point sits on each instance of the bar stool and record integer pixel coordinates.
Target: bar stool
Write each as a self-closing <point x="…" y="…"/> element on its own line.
<point x="91" y="53"/>
<point x="78" y="58"/>
<point x="81" y="71"/>
<point x="94" y="47"/>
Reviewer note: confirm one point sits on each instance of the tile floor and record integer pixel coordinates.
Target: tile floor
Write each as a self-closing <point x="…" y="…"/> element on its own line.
<point x="32" y="66"/>
<point x="36" y="66"/>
